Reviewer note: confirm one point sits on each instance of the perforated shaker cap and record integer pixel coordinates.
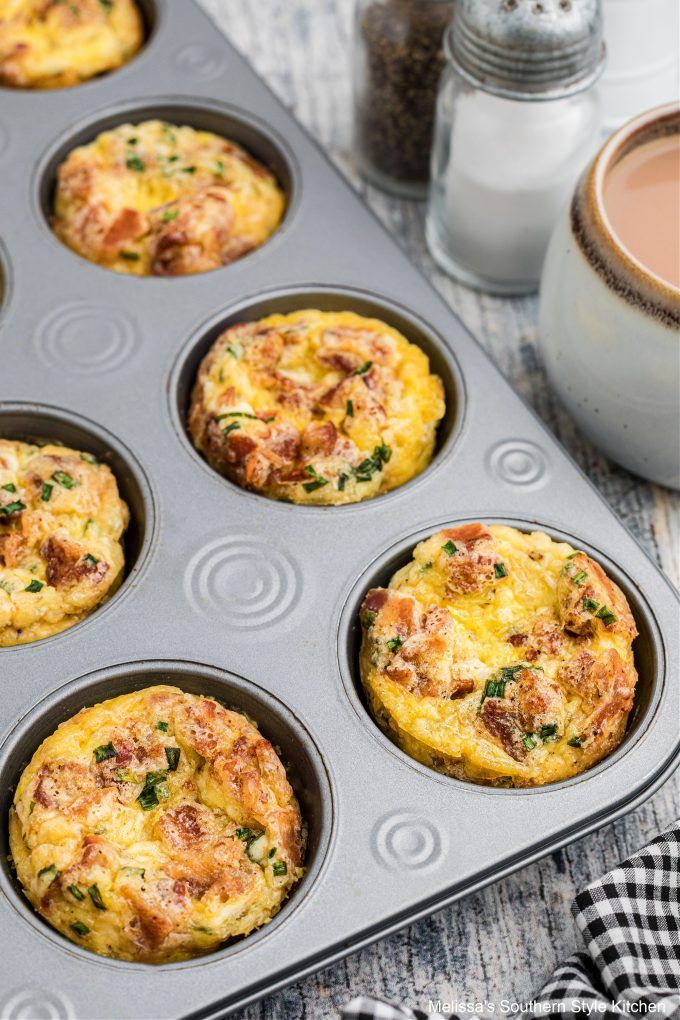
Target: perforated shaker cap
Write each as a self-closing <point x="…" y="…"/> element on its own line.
<point x="528" y="49"/>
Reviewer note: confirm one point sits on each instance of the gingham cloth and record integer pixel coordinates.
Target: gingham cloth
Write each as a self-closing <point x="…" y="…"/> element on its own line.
<point x="630" y="922"/>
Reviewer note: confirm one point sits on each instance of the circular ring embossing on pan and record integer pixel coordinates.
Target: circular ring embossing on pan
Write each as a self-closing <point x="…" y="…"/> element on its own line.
<point x="325" y="298"/>
<point x="243" y="579"/>
<point x="404" y="839"/>
<point x="307" y="771"/>
<point x="36" y="1004"/>
<point x="650" y="659"/>
<point x="42" y="424"/>
<point x="86" y="337"/>
<point x="518" y="462"/>
<point x="253" y="134"/>
<point x="201" y="60"/>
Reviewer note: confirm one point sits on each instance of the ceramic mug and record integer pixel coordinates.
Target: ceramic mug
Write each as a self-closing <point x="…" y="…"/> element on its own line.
<point x="610" y="328"/>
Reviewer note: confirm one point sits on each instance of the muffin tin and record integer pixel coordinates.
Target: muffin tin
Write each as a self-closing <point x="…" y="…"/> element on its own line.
<point x="255" y="602"/>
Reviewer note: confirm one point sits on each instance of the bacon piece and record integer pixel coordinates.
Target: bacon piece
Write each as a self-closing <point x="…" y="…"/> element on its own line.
<point x="11" y="549"/>
<point x="530" y="702"/>
<point x="471" y="566"/>
<point x="200" y="236"/>
<point x="605" y="684"/>
<point x="66" y="563"/>
<point x="583" y="591"/>
<point x="127" y="226"/>
<point x="415" y="644"/>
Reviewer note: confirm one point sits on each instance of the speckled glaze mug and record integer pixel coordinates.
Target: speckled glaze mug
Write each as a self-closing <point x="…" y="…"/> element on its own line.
<point x="610" y="327"/>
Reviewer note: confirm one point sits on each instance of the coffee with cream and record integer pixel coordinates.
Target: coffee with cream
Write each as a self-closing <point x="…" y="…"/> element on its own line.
<point x="641" y="197"/>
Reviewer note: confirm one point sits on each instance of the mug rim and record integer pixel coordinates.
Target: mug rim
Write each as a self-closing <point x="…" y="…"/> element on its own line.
<point x="626" y="138"/>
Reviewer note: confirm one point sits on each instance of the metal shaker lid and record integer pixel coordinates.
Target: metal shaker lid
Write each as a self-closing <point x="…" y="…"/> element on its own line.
<point x="528" y="49"/>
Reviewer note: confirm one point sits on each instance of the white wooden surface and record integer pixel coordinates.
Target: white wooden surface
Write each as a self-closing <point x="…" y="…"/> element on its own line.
<point x="504" y="942"/>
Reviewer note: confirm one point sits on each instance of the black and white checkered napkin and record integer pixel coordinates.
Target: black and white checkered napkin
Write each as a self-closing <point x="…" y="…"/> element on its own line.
<point x="630" y="921"/>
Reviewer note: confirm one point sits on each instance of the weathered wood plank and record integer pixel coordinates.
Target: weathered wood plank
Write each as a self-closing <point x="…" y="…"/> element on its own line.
<point x="503" y="942"/>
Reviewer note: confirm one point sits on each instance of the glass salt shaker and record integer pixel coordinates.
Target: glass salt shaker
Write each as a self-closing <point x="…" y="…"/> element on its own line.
<point x="398" y="59"/>
<point x="518" y="118"/>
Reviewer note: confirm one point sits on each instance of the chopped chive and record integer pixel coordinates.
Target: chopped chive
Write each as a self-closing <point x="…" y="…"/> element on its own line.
<point x="449" y="548"/>
<point x="605" y="614"/>
<point x="10" y="487"/>
<point x="91" y="560"/>
<point x="107" y="5"/>
<point x="244" y="832"/>
<point x="50" y="873"/>
<point x="342" y="482"/>
<point x="162" y="725"/>
<point x="529" y="742"/>
<point x="280" y="868"/>
<point x="133" y="872"/>
<point x="125" y="776"/>
<point x="219" y="166"/>
<point x="317" y="483"/>
<point x="148" y="798"/>
<point x="77" y="893"/>
<point x="499" y="570"/>
<point x="233" y="353"/>
<point x="65" y="479"/>
<point x="6" y="586"/>
<point x="579" y="577"/>
<point x="46" y="492"/>
<point x="366" y="367"/>
<point x="394" y="643"/>
<point x="230" y="428"/>
<point x="134" y="162"/>
<point x="591" y="604"/>
<point x="104" y="751"/>
<point x="12" y="508"/>
<point x="172" y="754"/>
<point x="130" y="256"/>
<point x="547" y="731"/>
<point x="368" y="617"/>
<point x="571" y="555"/>
<point x="349" y="409"/>
<point x="243" y="414"/>
<point x="35" y="586"/>
<point x="96" y="897"/>
<point x="79" y="928"/>
<point x="272" y="852"/>
<point x="575" y="741"/>
<point x="89" y="458"/>
<point x="188" y="169"/>
<point x="169" y="215"/>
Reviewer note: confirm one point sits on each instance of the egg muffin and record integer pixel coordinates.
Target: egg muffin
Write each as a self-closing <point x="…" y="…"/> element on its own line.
<point x="154" y="199"/>
<point x="61" y="526"/>
<point x="500" y="657"/>
<point x="47" y="44"/>
<point x="155" y="826"/>
<point x="315" y="407"/>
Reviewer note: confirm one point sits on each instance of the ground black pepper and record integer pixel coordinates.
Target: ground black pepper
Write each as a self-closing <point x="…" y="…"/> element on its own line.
<point x="399" y="62"/>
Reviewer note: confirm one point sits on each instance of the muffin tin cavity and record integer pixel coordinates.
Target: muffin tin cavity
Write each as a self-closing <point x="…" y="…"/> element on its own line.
<point x="326" y="299"/>
<point x="40" y="425"/>
<point x="648" y="649"/>
<point x="296" y="748"/>
<point x="225" y="121"/>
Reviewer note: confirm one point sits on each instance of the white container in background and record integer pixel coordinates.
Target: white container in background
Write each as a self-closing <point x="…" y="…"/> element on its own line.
<point x="610" y="327"/>
<point x="643" y="57"/>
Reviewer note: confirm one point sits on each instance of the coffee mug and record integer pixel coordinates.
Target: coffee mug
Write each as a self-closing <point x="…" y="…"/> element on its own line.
<point x="610" y="325"/>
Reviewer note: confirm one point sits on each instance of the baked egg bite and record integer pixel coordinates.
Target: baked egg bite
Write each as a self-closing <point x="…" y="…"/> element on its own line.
<point x="46" y="44"/>
<point x="155" y="826"/>
<point x="313" y="407"/>
<point x="154" y="199"/>
<point x="500" y="657"/>
<point x="61" y="526"/>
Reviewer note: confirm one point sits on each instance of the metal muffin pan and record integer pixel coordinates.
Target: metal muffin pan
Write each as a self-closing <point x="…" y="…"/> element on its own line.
<point x="254" y="601"/>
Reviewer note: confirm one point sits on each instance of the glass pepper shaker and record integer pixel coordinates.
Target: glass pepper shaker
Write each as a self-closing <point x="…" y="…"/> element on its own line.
<point x="517" y="120"/>
<point x="398" y="59"/>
